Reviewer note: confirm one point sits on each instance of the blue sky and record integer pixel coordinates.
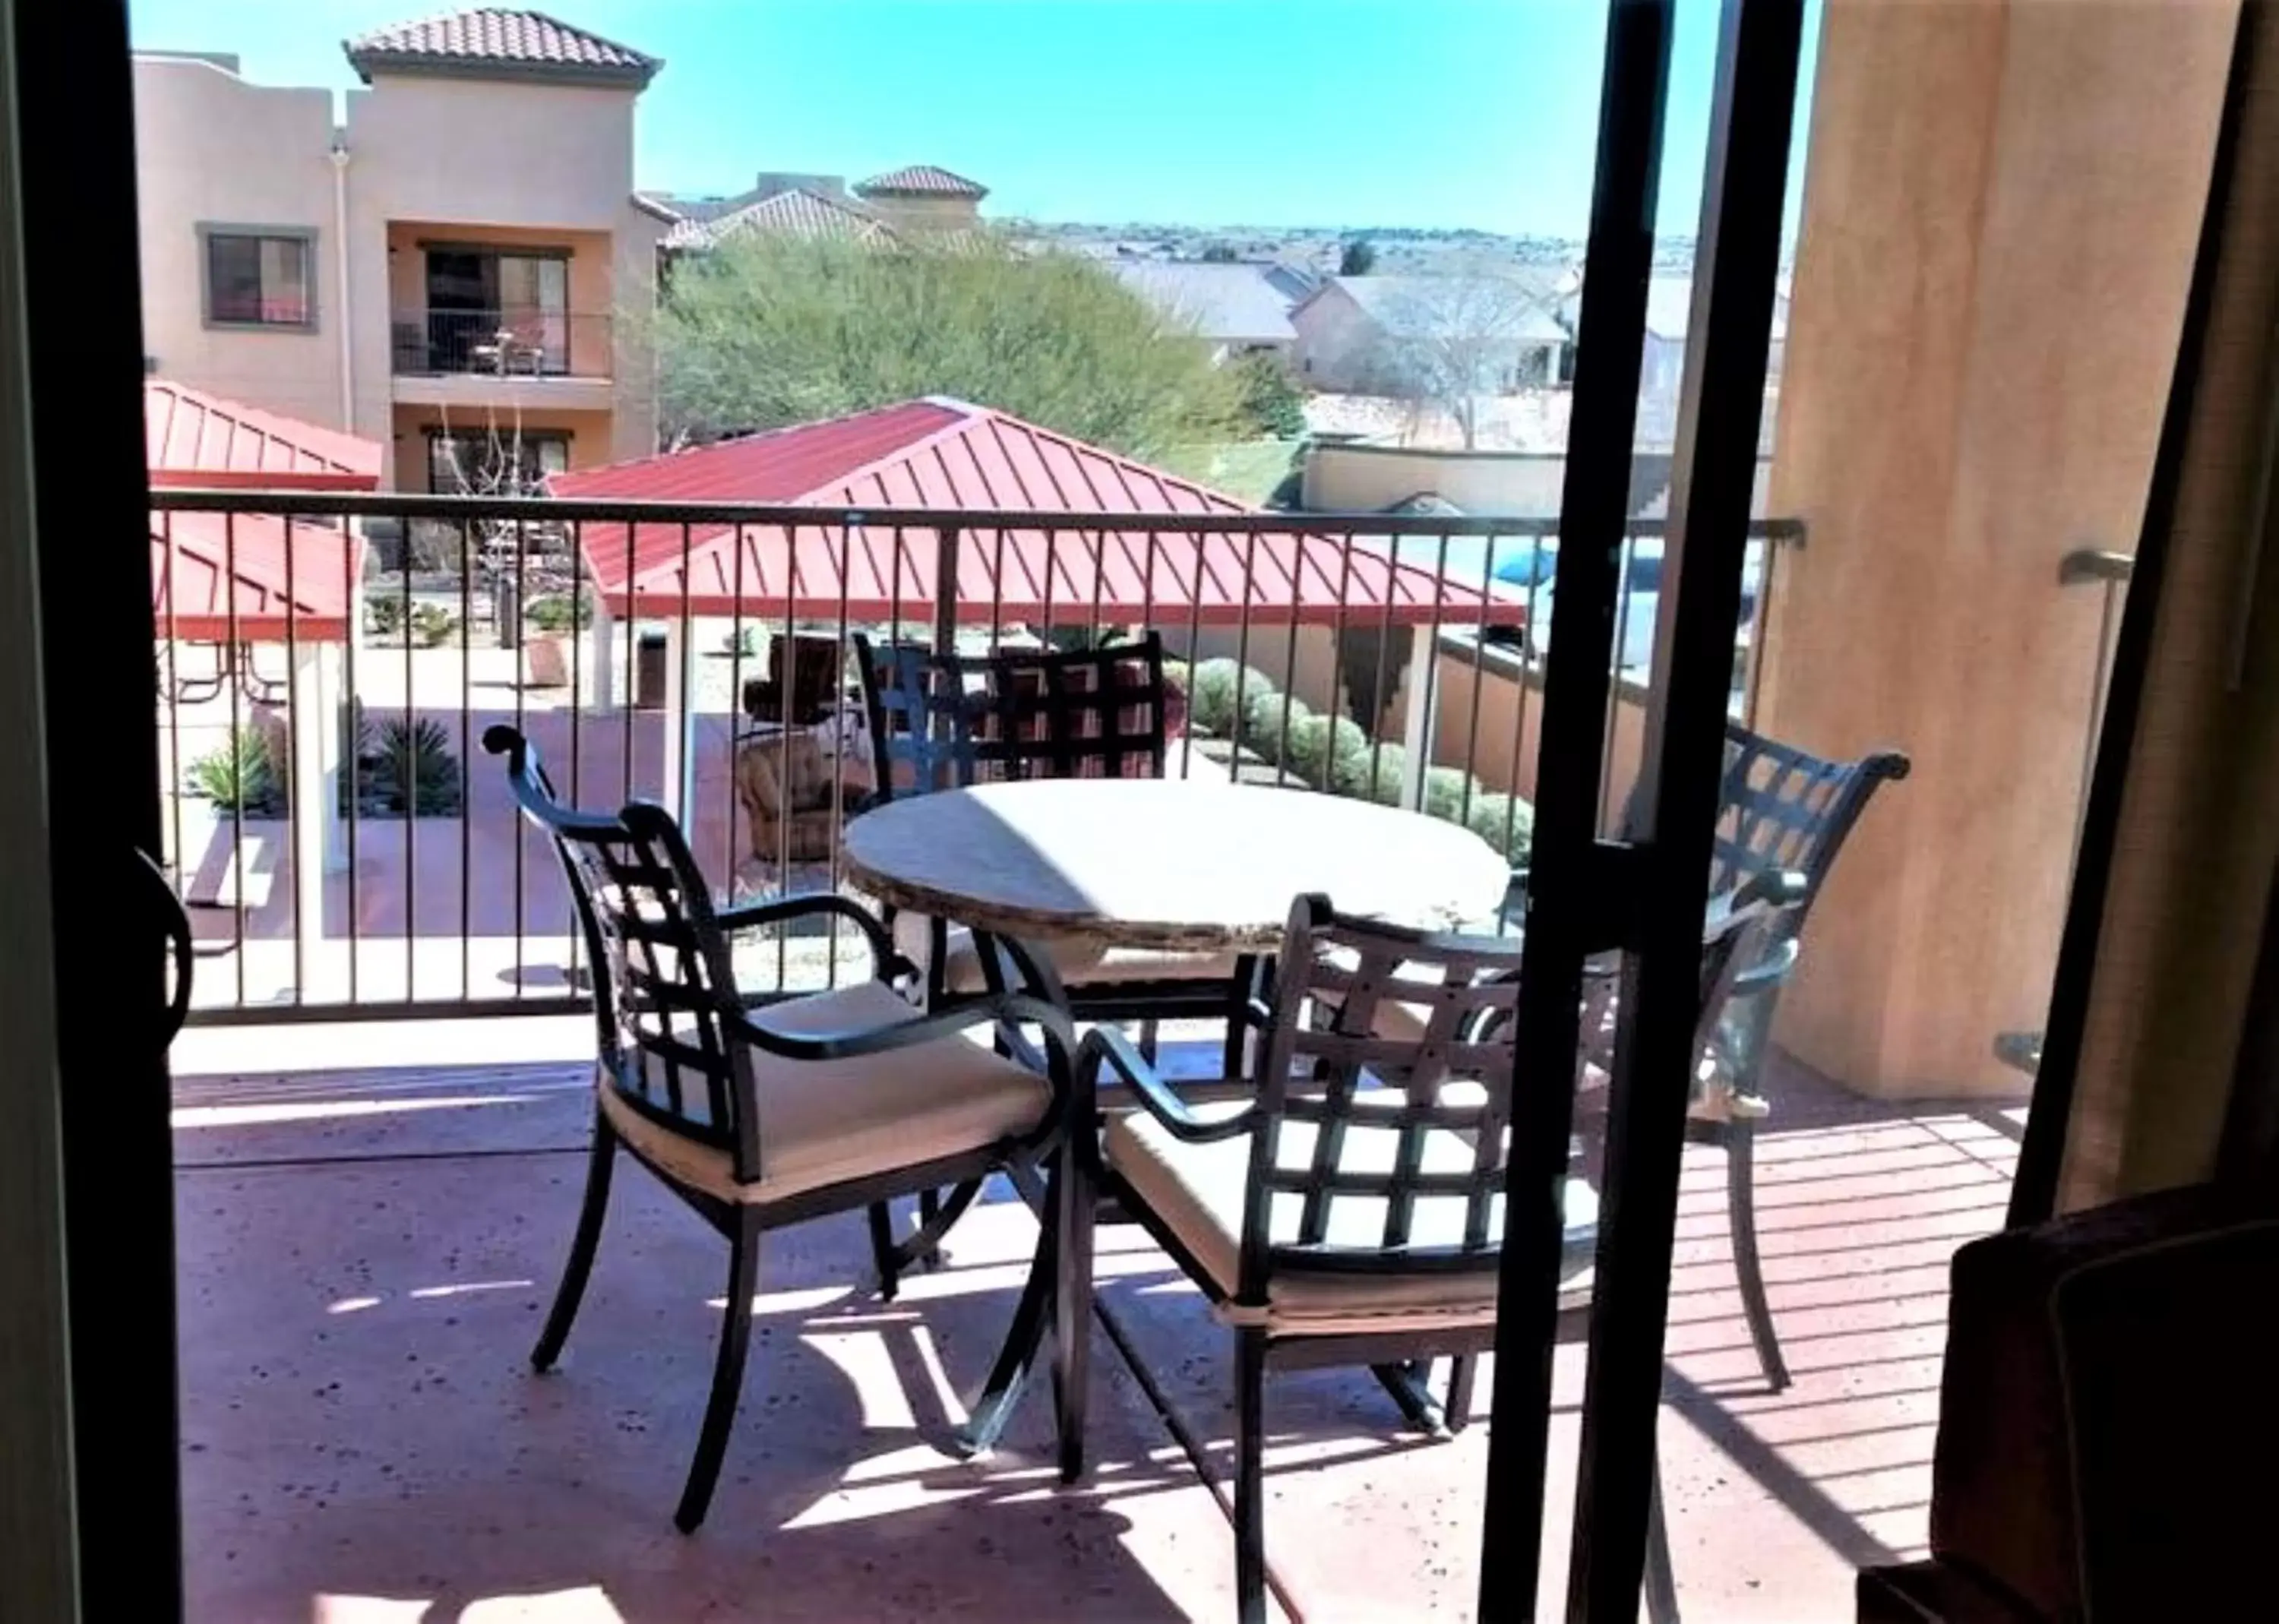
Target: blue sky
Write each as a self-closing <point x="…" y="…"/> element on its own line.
<point x="1274" y="113"/>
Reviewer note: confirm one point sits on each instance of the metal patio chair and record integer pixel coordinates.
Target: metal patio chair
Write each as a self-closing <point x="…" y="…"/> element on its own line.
<point x="1351" y="1213"/>
<point x="941" y="721"/>
<point x="1781" y="810"/>
<point x="759" y="1113"/>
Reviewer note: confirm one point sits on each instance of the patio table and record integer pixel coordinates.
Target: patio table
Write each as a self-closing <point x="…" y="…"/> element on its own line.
<point x="1171" y="864"/>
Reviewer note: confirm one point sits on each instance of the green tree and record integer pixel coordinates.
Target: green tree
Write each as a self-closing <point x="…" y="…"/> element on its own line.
<point x="768" y="330"/>
<point x="1272" y="406"/>
<point x="1359" y="258"/>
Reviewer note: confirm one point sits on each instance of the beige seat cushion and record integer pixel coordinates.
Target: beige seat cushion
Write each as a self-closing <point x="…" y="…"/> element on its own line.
<point x="1198" y="1191"/>
<point x="827" y="1121"/>
<point x="1077" y="964"/>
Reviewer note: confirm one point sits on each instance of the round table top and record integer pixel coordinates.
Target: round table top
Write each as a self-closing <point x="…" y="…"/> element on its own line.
<point x="1169" y="863"/>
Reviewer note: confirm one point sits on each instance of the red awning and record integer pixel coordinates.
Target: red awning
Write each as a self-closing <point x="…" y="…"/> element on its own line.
<point x="251" y="576"/>
<point x="942" y="454"/>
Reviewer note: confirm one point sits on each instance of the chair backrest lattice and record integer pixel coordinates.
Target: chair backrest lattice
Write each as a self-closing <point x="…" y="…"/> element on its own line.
<point x="946" y="721"/>
<point x="1380" y="1146"/>
<point x="666" y="999"/>
<point x="1780" y="807"/>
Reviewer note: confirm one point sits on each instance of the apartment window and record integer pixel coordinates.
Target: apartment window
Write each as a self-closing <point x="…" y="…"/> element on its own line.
<point x="504" y="462"/>
<point x="260" y="278"/>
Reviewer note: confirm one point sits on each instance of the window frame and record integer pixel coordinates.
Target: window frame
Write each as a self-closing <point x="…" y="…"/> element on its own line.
<point x="305" y="235"/>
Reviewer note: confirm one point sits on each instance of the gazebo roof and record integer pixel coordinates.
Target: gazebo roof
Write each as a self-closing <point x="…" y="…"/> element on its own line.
<point x="945" y="454"/>
<point x="252" y="576"/>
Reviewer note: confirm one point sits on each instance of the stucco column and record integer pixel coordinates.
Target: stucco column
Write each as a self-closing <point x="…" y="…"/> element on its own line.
<point x="597" y="659"/>
<point x="319" y="833"/>
<point x="1416" y="717"/>
<point x="2001" y="202"/>
<point x="679" y="787"/>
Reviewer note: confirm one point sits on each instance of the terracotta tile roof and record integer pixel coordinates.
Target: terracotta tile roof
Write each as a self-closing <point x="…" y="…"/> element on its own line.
<point x="920" y="180"/>
<point x="496" y="42"/>
<point x="796" y="212"/>
<point x="945" y="454"/>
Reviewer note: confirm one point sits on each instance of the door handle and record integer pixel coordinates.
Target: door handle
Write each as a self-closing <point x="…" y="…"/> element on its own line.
<point x="177" y="920"/>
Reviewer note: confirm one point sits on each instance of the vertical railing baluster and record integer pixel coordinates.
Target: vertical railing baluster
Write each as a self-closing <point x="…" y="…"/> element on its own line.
<point x="789" y="666"/>
<point x="466" y="759"/>
<point x="1337" y="659"/>
<point x="352" y="762"/>
<point x="731" y="802"/>
<point x="633" y="694"/>
<point x="173" y="699"/>
<point x="1099" y="577"/>
<point x="1759" y="620"/>
<point x="1197" y="542"/>
<point x="838" y="731"/>
<point x="407" y="784"/>
<point x="1242" y="658"/>
<point x="997" y="596"/>
<point x="1390" y="589"/>
<point x="294" y="811"/>
<point x="680" y="681"/>
<point x="1615" y="687"/>
<point x="577" y="630"/>
<point x="1290" y="662"/>
<point x="1426" y="664"/>
<point x="1479" y="675"/>
<point x="516" y="826"/>
<point x="237" y="753"/>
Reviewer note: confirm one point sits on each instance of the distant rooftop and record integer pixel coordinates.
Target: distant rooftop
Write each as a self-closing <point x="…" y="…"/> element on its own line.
<point x="495" y="43"/>
<point x="1520" y="301"/>
<point x="794" y="211"/>
<point x="1227" y="304"/>
<point x="920" y="180"/>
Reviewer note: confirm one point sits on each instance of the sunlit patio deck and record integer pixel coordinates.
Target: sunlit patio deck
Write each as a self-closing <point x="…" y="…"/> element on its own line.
<point x="366" y="1256"/>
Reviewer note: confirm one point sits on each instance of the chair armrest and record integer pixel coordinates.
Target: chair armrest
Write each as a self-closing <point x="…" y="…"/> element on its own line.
<point x="1105" y="1046"/>
<point x="1010" y="1010"/>
<point x="885" y="962"/>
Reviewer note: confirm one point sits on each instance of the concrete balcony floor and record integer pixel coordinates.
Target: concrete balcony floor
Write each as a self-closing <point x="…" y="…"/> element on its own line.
<point x="366" y="1256"/>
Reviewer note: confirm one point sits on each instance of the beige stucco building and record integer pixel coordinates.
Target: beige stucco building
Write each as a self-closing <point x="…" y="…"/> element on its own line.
<point x="455" y="266"/>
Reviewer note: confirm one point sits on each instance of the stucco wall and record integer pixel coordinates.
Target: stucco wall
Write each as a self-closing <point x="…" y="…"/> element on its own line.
<point x="1369" y="479"/>
<point x="488" y="161"/>
<point x="591" y="435"/>
<point x="1336" y="341"/>
<point x="213" y="148"/>
<point x="2001" y="210"/>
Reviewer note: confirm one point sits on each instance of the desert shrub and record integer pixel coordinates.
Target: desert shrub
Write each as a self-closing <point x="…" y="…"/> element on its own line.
<point x="1211" y="694"/>
<point x="1504" y="822"/>
<point x="1326" y="750"/>
<point x="558" y="611"/>
<point x="1381" y="782"/>
<point x="1265" y="715"/>
<point x="383" y="615"/>
<point x="239" y="776"/>
<point x="1447" y="790"/>
<point x="432" y="624"/>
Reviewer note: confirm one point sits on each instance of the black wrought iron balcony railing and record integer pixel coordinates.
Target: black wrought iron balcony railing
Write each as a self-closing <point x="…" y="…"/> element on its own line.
<point x="327" y="665"/>
<point x="510" y="343"/>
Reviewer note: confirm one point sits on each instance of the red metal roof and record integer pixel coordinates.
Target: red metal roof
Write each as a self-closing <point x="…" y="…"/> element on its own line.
<point x="217" y="577"/>
<point x="944" y="454"/>
<point x="920" y="180"/>
<point x="192" y="438"/>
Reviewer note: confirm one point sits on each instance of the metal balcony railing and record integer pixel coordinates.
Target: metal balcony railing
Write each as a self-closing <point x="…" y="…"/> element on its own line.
<point x="510" y="343"/>
<point x="327" y="664"/>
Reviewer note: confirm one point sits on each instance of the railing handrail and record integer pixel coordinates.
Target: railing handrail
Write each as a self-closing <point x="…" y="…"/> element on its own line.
<point x="313" y="504"/>
<point x="2091" y="564"/>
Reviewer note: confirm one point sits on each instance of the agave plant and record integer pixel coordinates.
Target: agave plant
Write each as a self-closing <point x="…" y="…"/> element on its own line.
<point x="411" y="767"/>
<point x="239" y="776"/>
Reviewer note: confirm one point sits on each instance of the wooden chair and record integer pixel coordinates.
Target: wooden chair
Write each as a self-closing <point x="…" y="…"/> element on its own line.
<point x="757" y="1113"/>
<point x="1352" y="1213"/>
<point x="941" y="721"/>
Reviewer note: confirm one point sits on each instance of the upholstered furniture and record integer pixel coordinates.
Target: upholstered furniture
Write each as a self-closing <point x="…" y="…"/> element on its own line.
<point x="2107" y="1422"/>
<point x="794" y="792"/>
<point x="761" y="1114"/>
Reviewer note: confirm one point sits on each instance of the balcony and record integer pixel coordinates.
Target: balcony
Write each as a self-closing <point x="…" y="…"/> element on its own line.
<point x="444" y="1165"/>
<point x="448" y="357"/>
